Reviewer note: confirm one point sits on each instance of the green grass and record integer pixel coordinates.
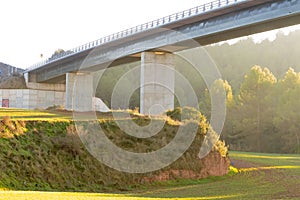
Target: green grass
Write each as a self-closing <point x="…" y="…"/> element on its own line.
<point x="274" y="177"/>
<point x="271" y="176"/>
<point x="285" y="164"/>
<point x="17" y="195"/>
<point x="34" y="115"/>
<point x="46" y="154"/>
<point x="52" y="115"/>
<point x="268" y="159"/>
<point x="20" y="195"/>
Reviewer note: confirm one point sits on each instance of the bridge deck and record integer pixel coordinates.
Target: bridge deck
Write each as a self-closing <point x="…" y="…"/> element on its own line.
<point x="213" y="22"/>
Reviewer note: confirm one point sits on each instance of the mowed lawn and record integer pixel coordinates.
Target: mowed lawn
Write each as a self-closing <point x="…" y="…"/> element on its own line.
<point x="48" y="115"/>
<point x="34" y="115"/>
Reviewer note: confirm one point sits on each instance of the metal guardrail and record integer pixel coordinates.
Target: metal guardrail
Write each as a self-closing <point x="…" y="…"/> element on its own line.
<point x="140" y="28"/>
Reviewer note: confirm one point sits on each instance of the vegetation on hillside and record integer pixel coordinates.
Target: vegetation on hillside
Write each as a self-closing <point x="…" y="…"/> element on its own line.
<point x="16" y="81"/>
<point x="49" y="155"/>
<point x="265" y="115"/>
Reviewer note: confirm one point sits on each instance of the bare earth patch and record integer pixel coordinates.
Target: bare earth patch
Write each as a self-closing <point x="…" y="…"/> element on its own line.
<point x="242" y="164"/>
<point x="213" y="165"/>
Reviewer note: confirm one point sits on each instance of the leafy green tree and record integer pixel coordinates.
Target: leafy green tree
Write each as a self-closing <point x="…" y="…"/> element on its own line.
<point x="59" y="52"/>
<point x="220" y="88"/>
<point x="287" y="115"/>
<point x="253" y="117"/>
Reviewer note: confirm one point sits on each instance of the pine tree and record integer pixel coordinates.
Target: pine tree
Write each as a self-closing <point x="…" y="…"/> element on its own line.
<point x="252" y="120"/>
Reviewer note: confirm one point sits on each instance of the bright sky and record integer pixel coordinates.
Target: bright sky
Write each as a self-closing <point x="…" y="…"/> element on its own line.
<point x="29" y="28"/>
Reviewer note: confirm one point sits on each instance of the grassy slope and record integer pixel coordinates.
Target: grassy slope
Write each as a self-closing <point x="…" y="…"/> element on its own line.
<point x="269" y="176"/>
<point x="273" y="177"/>
<point x="43" y="152"/>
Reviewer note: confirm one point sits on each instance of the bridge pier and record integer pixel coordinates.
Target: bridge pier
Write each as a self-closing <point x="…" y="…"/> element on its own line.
<point x="79" y="92"/>
<point x="157" y="82"/>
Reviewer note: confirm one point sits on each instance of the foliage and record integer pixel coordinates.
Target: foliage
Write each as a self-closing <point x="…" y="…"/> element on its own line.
<point x="266" y="113"/>
<point x="222" y="148"/>
<point x="286" y="115"/>
<point x="59" y="52"/>
<point x="253" y="110"/>
<point x="186" y="113"/>
<point x="48" y="155"/>
<point x="218" y="90"/>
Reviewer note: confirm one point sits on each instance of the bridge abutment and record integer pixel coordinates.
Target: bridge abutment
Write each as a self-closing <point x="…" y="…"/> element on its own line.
<point x="32" y="84"/>
<point x="157" y="82"/>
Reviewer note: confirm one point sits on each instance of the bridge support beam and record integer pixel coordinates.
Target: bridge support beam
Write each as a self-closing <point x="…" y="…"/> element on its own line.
<point x="32" y="84"/>
<point x="79" y="92"/>
<point x="157" y="82"/>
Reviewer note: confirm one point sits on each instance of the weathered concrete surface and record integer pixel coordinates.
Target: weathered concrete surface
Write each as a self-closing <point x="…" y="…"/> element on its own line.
<point x="46" y="86"/>
<point x="79" y="91"/>
<point x="31" y="84"/>
<point x="30" y="99"/>
<point x="157" y="82"/>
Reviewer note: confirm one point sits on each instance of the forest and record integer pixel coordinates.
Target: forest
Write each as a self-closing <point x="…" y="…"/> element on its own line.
<point x="262" y="84"/>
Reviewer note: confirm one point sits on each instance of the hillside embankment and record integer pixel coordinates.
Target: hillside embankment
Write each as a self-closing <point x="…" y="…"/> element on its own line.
<point x="13" y="82"/>
<point x="49" y="155"/>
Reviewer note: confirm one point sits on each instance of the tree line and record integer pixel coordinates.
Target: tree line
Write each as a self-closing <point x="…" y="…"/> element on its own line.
<point x="264" y="115"/>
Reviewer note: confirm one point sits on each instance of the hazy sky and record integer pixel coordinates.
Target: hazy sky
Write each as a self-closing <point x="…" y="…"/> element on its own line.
<point x="33" y="27"/>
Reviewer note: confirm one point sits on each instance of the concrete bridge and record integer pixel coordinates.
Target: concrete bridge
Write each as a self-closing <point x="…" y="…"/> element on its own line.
<point x="154" y="44"/>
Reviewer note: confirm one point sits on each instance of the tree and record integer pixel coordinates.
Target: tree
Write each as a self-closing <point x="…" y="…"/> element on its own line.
<point x="287" y="115"/>
<point x="252" y="120"/>
<point x="59" y="52"/>
<point x="220" y="88"/>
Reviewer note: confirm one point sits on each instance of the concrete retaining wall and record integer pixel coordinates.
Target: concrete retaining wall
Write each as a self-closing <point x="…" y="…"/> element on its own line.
<point x="30" y="99"/>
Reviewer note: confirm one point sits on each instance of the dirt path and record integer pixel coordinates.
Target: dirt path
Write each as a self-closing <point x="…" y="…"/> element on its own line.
<point x="239" y="164"/>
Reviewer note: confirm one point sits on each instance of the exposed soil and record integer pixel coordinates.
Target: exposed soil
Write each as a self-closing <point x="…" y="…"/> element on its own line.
<point x="242" y="164"/>
<point x="212" y="165"/>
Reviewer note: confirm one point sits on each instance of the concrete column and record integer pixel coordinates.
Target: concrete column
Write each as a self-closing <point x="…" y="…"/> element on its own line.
<point x="79" y="92"/>
<point x="157" y="83"/>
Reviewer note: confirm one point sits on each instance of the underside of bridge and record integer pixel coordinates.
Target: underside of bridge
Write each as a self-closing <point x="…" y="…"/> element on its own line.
<point x="245" y="18"/>
<point x="156" y="85"/>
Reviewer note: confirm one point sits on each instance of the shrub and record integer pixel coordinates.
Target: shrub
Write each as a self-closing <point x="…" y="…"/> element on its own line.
<point x="186" y="113"/>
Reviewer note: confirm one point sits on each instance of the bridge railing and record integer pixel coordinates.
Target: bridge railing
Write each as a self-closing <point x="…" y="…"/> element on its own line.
<point x="140" y="28"/>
